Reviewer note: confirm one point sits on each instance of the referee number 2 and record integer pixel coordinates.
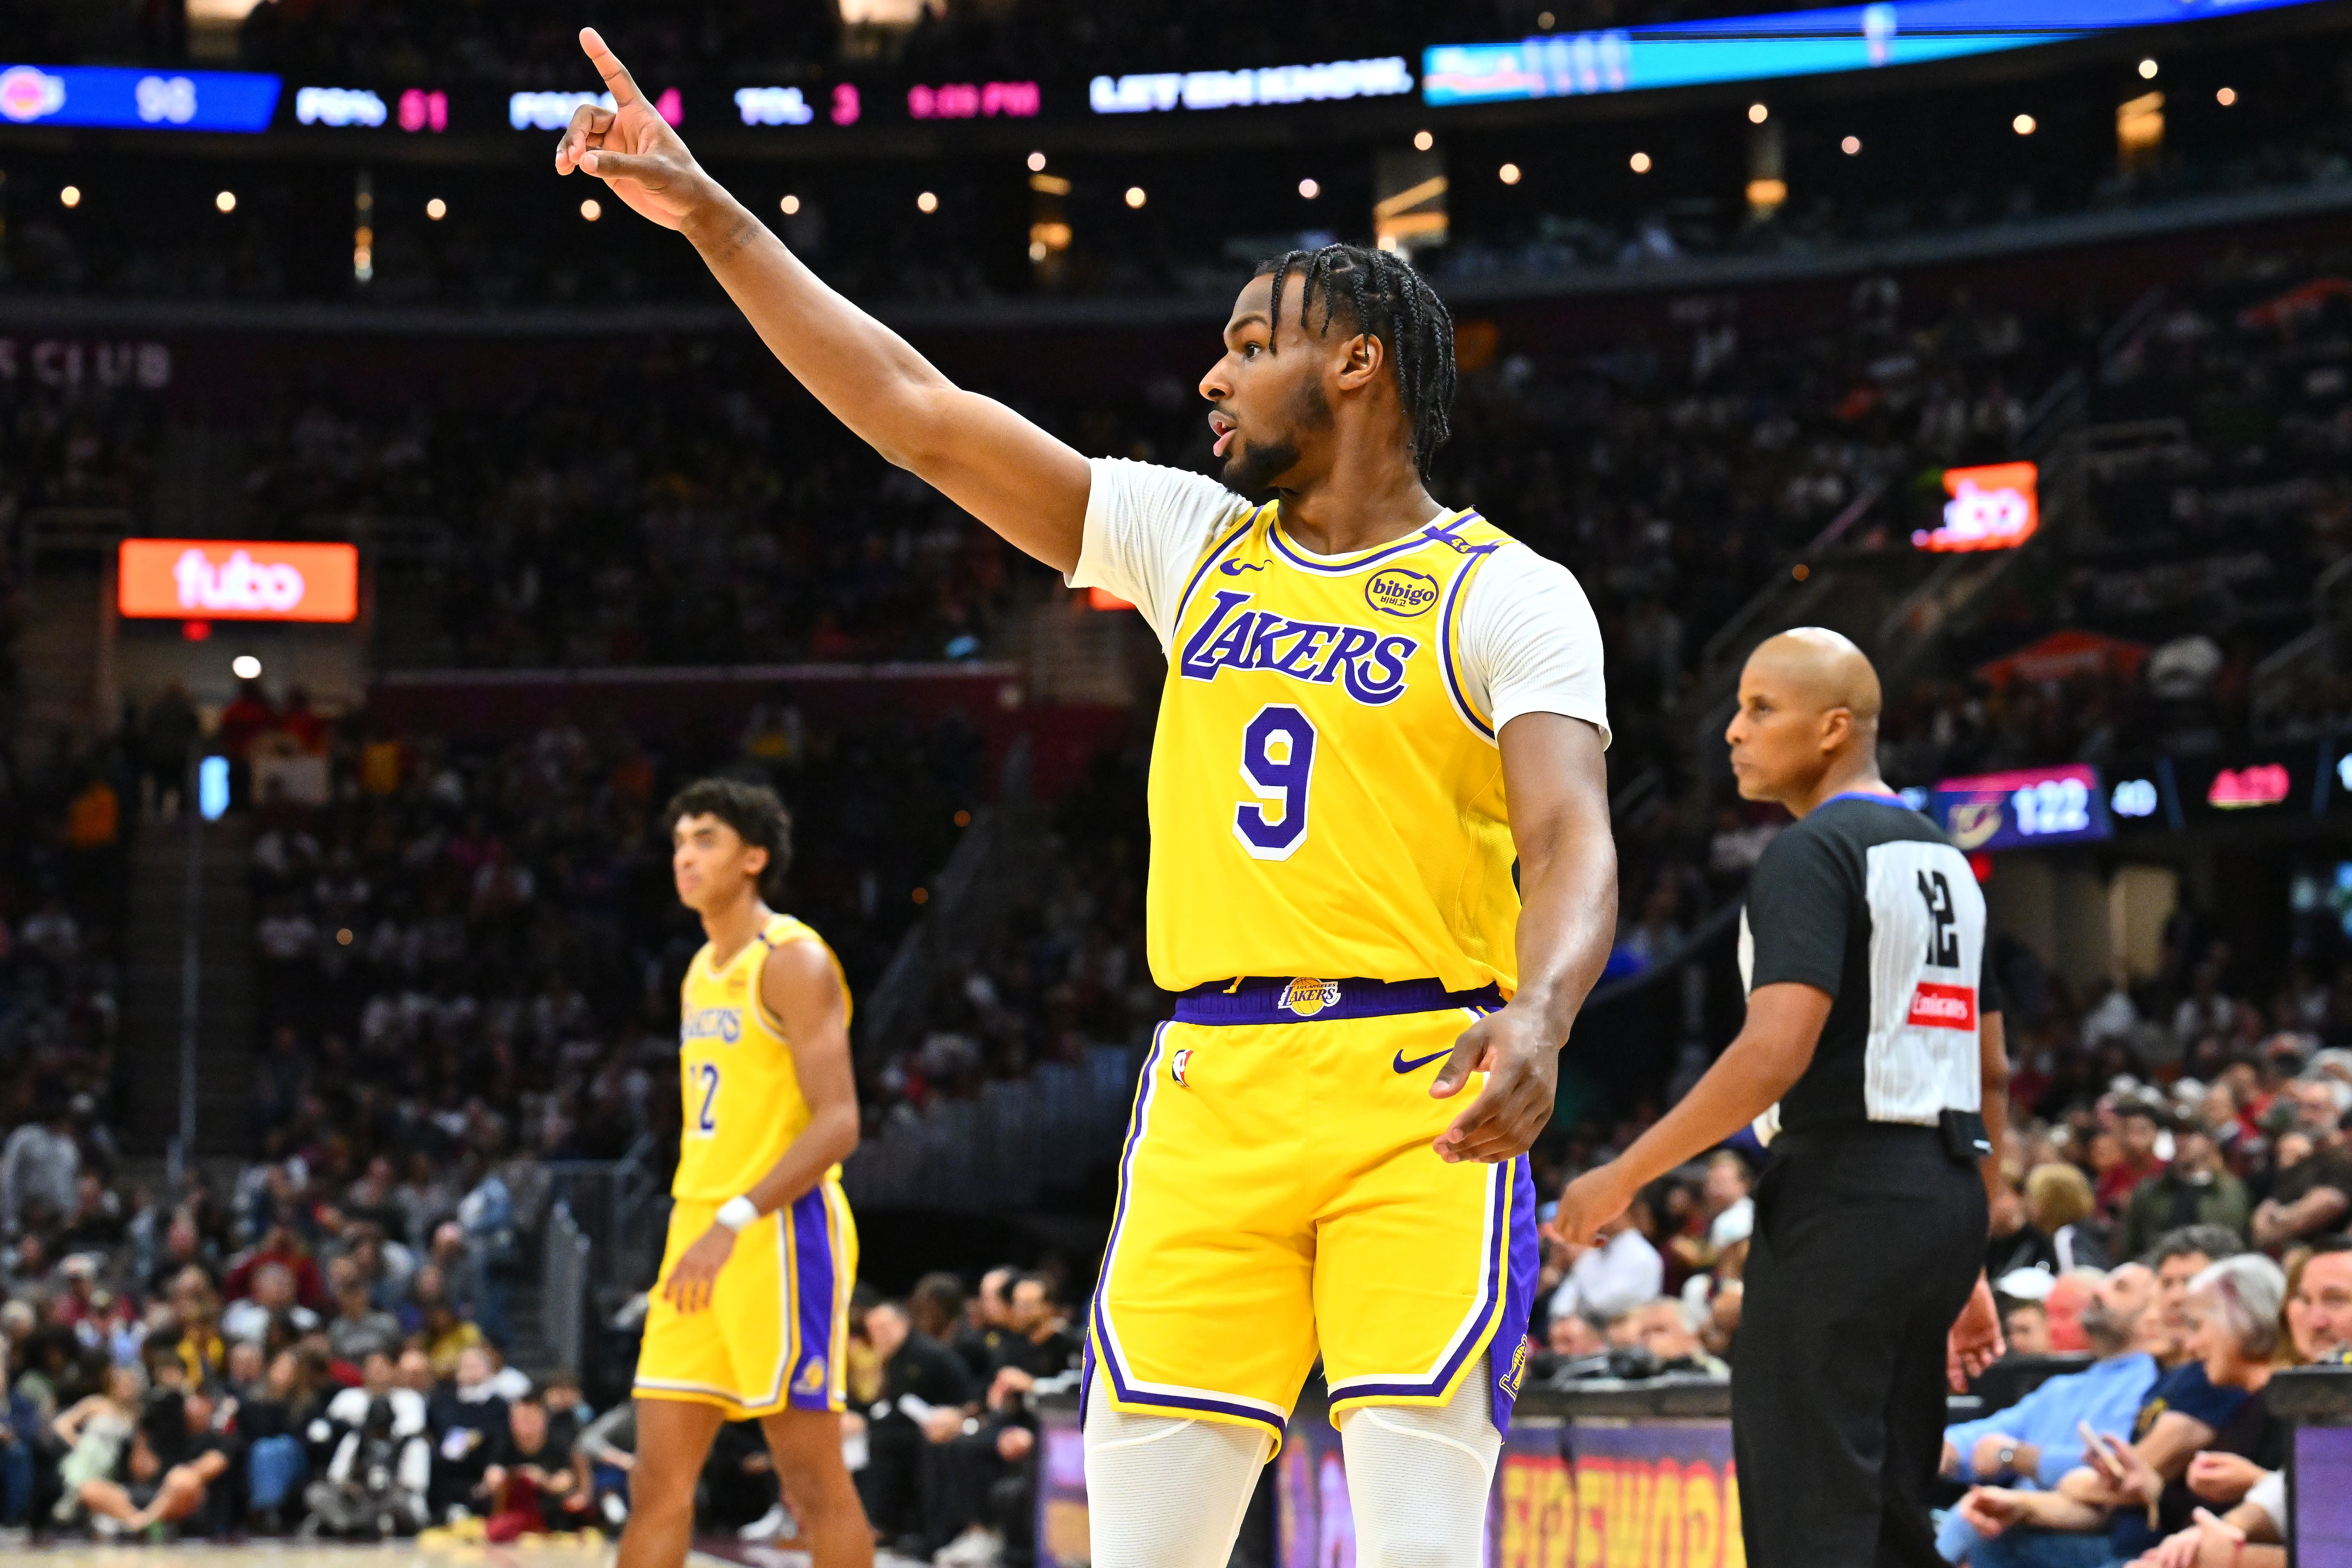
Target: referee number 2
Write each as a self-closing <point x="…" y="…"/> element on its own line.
<point x="1277" y="762"/>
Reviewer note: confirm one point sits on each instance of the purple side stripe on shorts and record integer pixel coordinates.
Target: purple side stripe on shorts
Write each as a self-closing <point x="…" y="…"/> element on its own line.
<point x="812" y="1297"/>
<point x="1505" y="1360"/>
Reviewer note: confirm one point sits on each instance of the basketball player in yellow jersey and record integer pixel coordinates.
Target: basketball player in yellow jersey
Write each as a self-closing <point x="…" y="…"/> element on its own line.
<point x="1374" y="704"/>
<point x="751" y="1318"/>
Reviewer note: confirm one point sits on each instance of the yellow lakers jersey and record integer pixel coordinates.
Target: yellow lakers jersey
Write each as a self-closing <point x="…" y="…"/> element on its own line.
<point x="1326" y="799"/>
<point x="742" y="1091"/>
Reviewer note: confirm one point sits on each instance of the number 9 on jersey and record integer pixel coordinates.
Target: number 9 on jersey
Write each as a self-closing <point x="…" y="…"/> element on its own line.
<point x="1277" y="762"/>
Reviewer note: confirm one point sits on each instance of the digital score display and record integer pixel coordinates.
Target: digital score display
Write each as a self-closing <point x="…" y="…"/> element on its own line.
<point x="1783" y="44"/>
<point x="553" y="111"/>
<point x="118" y="97"/>
<point x="2023" y="808"/>
<point x="974" y="101"/>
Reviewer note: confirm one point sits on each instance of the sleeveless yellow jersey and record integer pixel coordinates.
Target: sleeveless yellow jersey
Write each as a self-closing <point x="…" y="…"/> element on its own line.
<point x="1326" y="800"/>
<point x="741" y="1091"/>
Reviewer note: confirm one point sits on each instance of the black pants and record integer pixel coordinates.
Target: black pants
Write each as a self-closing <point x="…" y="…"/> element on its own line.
<point x="1867" y="1243"/>
<point x="892" y="1484"/>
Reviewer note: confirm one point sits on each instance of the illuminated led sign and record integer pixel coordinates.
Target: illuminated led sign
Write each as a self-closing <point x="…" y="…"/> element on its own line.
<point x="2248" y="788"/>
<point x="425" y="109"/>
<point x="2134" y="797"/>
<point x="971" y="100"/>
<point x="773" y="106"/>
<point x="790" y="105"/>
<point x="339" y="106"/>
<point x="2022" y="808"/>
<point x="130" y="100"/>
<point x="553" y="111"/>
<point x="1995" y="507"/>
<point x="233" y="580"/>
<point x="1331" y="80"/>
<point x="1784" y="43"/>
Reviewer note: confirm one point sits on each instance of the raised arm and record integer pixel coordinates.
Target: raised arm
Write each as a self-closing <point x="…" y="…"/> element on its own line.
<point x="1021" y="481"/>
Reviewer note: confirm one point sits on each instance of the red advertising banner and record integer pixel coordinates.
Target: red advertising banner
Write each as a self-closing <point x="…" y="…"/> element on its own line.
<point x="238" y="579"/>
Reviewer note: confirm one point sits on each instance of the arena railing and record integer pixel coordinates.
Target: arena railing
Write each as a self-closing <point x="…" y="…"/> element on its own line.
<point x="564" y="1271"/>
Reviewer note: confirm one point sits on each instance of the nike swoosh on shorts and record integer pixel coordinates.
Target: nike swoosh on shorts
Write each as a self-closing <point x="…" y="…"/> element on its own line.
<point x="1400" y="1065"/>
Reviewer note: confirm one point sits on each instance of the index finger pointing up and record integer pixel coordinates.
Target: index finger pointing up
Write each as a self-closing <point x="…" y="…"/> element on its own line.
<point x="617" y="79"/>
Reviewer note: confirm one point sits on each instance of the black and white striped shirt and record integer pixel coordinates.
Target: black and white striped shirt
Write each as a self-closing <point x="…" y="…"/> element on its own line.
<point x="1866" y="899"/>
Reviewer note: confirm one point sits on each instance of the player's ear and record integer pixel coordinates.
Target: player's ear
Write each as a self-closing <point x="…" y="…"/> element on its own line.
<point x="1365" y="355"/>
<point x="756" y="856"/>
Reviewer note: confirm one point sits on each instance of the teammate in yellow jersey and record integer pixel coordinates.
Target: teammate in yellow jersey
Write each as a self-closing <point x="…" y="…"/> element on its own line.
<point x="751" y="1318"/>
<point x="1374" y="705"/>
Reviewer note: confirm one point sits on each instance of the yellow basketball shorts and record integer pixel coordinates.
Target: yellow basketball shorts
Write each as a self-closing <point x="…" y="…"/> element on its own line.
<point x="1279" y="1198"/>
<point x="776" y="1332"/>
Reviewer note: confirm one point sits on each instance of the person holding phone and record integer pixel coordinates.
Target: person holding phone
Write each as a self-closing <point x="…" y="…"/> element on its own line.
<point x="2204" y="1431"/>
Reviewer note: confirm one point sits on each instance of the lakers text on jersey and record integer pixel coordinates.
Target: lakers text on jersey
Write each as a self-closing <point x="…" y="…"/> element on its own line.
<point x="1325" y="797"/>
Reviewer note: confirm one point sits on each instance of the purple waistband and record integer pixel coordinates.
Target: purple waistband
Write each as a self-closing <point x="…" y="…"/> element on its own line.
<point x="1276" y="1001"/>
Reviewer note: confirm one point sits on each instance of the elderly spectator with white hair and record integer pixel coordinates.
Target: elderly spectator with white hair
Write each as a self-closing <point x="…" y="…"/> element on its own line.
<point x="2037" y="1442"/>
<point x="2319" y="1321"/>
<point x="2132" y="1493"/>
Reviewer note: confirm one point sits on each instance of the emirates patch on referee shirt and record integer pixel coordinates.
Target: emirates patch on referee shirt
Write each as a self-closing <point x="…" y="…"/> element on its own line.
<point x="1935" y="1006"/>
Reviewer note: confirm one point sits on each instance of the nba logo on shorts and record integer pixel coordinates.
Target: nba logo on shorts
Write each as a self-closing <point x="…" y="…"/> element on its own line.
<point x="1308" y="997"/>
<point x="1176" y="1066"/>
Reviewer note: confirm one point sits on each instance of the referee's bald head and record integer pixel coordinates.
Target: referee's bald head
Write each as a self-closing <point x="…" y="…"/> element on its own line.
<point x="1808" y="706"/>
<point x="1826" y="667"/>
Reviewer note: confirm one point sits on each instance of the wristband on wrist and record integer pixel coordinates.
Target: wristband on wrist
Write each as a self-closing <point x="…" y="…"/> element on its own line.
<point x="737" y="1212"/>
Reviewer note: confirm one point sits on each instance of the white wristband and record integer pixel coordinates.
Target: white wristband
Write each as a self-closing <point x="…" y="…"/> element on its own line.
<point x="737" y="1212"/>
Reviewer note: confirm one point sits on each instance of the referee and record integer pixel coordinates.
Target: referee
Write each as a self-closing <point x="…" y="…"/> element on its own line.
<point x="1860" y="1064"/>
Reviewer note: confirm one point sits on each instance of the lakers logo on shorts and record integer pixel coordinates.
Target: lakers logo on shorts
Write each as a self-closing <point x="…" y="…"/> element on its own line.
<point x="1518" y="1370"/>
<point x="1176" y="1066"/>
<point x="812" y="1378"/>
<point x="1308" y="997"/>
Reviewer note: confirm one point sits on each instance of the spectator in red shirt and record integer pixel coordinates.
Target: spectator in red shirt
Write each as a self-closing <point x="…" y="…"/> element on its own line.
<point x="2136" y="1125"/>
<point x="247" y="715"/>
<point x="278" y="1244"/>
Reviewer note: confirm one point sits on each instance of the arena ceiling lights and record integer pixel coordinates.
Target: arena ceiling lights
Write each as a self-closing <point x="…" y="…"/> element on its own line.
<point x="1785" y="43"/>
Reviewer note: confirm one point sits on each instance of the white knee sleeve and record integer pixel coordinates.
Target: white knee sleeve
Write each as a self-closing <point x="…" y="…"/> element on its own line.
<point x="1418" y="1478"/>
<point x="1163" y="1491"/>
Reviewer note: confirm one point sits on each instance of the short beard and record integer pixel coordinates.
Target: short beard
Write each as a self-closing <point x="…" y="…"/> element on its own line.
<point x="1250" y="470"/>
<point x="2109" y="1333"/>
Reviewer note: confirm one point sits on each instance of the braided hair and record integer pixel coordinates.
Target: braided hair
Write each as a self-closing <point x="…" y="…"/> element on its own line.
<point x="1378" y="293"/>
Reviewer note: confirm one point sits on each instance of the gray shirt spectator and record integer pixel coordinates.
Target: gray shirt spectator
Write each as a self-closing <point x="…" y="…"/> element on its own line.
<point x="38" y="1162"/>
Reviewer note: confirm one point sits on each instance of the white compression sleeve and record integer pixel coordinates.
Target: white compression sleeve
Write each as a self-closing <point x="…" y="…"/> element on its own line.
<point x="1164" y="1492"/>
<point x="1418" y="1478"/>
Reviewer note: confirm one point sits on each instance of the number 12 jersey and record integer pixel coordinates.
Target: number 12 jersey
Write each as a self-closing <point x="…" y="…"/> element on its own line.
<point x="743" y="1104"/>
